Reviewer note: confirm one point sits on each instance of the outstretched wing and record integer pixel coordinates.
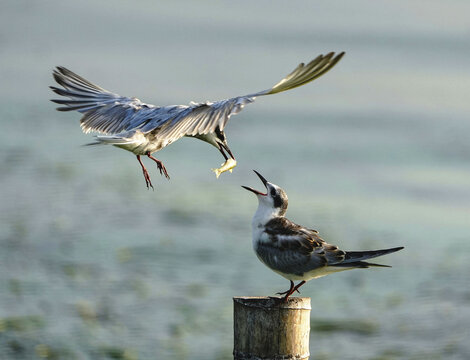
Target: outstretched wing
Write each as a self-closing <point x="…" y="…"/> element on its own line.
<point x="303" y="74"/>
<point x="204" y="118"/>
<point x="109" y="113"/>
<point x="104" y="111"/>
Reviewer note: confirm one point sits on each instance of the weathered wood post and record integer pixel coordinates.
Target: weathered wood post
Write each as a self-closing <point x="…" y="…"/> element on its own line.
<point x="265" y="328"/>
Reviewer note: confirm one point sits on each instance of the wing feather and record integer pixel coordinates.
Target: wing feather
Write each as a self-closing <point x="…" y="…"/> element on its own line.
<point x="204" y="118"/>
<point x="303" y="74"/>
<point x="109" y="113"/>
<point x="285" y="235"/>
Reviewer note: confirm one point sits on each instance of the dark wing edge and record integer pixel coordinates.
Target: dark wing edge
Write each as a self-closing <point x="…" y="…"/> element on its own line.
<point x="204" y="118"/>
<point x="104" y="112"/>
<point x="304" y="74"/>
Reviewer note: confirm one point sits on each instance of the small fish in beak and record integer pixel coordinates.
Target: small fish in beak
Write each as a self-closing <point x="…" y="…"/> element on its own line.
<point x="228" y="165"/>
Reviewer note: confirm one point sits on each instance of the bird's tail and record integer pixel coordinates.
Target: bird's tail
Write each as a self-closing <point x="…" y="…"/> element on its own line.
<point x="111" y="140"/>
<point x="358" y="264"/>
<point x="303" y="74"/>
<point x="356" y="258"/>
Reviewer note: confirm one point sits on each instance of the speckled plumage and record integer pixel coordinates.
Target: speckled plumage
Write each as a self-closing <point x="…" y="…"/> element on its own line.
<point x="296" y="252"/>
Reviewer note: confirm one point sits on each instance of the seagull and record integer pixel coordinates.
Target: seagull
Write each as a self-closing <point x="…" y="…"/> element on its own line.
<point x="296" y="252"/>
<point x="130" y="124"/>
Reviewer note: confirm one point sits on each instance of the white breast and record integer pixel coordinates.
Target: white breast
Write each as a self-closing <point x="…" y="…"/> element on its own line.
<point x="262" y="215"/>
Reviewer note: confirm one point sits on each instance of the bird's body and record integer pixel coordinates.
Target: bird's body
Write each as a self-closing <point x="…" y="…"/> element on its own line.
<point x="144" y="129"/>
<point x="296" y="252"/>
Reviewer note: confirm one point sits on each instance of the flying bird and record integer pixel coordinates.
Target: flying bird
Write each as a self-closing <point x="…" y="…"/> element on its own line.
<point x="296" y="252"/>
<point x="130" y="124"/>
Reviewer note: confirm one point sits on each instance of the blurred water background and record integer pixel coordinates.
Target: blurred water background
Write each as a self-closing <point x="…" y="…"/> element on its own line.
<point x="374" y="154"/>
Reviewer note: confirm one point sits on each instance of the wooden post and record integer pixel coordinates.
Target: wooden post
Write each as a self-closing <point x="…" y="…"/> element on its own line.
<point x="265" y="328"/>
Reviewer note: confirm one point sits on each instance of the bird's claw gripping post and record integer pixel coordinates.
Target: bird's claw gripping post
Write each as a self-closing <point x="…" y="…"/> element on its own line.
<point x="228" y="165"/>
<point x="287" y="292"/>
<point x="291" y="290"/>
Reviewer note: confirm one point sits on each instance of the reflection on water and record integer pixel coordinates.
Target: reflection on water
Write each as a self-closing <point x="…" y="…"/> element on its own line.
<point x="374" y="154"/>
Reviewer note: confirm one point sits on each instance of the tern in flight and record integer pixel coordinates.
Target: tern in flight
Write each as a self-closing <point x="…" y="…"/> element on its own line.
<point x="143" y="129"/>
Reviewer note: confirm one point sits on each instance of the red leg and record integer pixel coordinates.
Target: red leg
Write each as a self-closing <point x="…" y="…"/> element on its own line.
<point x="148" y="182"/>
<point x="291" y="290"/>
<point x="160" y="165"/>
<point x="299" y="285"/>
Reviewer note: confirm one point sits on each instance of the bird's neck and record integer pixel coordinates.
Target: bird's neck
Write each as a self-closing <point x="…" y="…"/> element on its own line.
<point x="264" y="214"/>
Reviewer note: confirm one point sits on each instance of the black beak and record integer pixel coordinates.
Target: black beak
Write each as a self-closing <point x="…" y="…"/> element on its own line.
<point x="256" y="191"/>
<point x="261" y="177"/>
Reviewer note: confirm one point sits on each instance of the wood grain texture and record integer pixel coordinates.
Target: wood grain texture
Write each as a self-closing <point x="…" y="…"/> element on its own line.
<point x="265" y="328"/>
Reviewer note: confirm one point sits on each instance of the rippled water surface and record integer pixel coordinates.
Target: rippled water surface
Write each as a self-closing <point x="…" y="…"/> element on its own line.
<point x="374" y="154"/>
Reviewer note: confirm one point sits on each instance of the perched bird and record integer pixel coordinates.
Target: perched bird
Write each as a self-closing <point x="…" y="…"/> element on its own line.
<point x="296" y="252"/>
<point x="144" y="129"/>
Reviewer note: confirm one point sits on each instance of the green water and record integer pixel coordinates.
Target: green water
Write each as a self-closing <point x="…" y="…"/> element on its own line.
<point x="374" y="154"/>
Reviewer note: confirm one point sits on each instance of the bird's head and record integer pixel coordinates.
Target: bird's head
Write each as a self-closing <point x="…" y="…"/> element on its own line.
<point x="275" y="198"/>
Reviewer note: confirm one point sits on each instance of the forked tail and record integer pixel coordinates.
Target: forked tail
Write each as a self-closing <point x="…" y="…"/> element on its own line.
<point x="356" y="258"/>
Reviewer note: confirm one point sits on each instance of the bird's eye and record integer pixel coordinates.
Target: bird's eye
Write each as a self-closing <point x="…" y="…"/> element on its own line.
<point x="273" y="192"/>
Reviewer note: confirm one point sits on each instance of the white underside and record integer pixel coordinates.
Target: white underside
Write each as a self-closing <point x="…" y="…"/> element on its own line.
<point x="314" y="274"/>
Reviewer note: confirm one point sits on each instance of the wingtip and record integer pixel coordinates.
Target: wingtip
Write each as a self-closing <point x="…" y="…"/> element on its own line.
<point x="377" y="265"/>
<point x="57" y="70"/>
<point x="334" y="54"/>
<point x="60" y="68"/>
<point x="392" y="250"/>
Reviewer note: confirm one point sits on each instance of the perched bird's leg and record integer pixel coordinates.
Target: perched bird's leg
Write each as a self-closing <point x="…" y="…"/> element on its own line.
<point x="160" y="165"/>
<point x="148" y="182"/>
<point x="290" y="291"/>
<point x="299" y="285"/>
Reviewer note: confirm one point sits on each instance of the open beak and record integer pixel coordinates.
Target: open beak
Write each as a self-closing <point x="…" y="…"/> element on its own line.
<point x="256" y="191"/>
